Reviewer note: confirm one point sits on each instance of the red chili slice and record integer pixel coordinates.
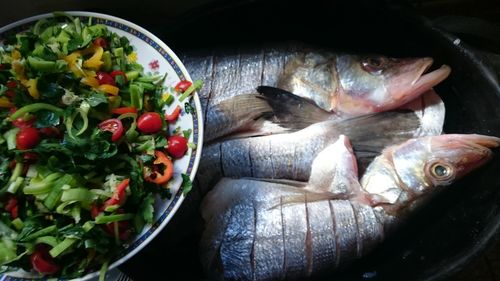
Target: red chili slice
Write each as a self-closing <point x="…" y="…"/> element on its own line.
<point x="182" y="86"/>
<point x="174" y="115"/>
<point x="119" y="195"/>
<point x="123" y="110"/>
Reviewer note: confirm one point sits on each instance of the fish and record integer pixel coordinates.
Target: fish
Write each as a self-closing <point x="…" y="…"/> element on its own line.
<point x="275" y="156"/>
<point x="231" y="103"/>
<point x="274" y="230"/>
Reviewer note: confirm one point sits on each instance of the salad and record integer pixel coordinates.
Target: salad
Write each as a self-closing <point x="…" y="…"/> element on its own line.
<point x="84" y="146"/>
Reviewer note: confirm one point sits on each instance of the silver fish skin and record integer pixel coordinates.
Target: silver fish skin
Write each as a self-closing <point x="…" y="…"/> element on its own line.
<point x="275" y="156"/>
<point x="355" y="85"/>
<point x="330" y="230"/>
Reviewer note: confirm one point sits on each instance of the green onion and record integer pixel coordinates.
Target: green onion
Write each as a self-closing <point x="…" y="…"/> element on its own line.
<point x="7" y="253"/>
<point x="55" y="194"/>
<point x="33" y="108"/>
<point x="131" y="75"/>
<point x="63" y="246"/>
<point x="37" y="186"/>
<point x="102" y="219"/>
<point x="14" y="186"/>
<point x="102" y="272"/>
<point x="136" y="96"/>
<point x="18" y="223"/>
<point x="49" y="240"/>
<point x="10" y="136"/>
<point x="196" y="86"/>
<point x="77" y="194"/>
<point x="42" y="232"/>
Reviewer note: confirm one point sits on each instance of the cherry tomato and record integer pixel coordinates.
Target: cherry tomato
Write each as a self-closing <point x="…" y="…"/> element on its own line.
<point x="42" y="261"/>
<point x="22" y="122"/>
<point x="115" y="73"/>
<point x="177" y="146"/>
<point x="118" y="197"/>
<point x="149" y="123"/>
<point x="11" y="84"/>
<point x="174" y="115"/>
<point x="114" y="126"/>
<point x="105" y="78"/>
<point x="12" y="207"/>
<point x="124" y="230"/>
<point x="51" y="132"/>
<point x="99" y="41"/>
<point x="182" y="86"/>
<point x="161" y="162"/>
<point x="123" y="110"/>
<point x="27" y="138"/>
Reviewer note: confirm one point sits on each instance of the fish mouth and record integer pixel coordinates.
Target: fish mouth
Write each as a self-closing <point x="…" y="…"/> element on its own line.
<point x="425" y="81"/>
<point x="482" y="141"/>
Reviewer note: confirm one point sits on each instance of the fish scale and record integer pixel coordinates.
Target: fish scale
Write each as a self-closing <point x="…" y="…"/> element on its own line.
<point x="295" y="231"/>
<point x="371" y="231"/>
<point x="237" y="245"/>
<point x="322" y="235"/>
<point x="321" y="231"/>
<point x="236" y="163"/>
<point x="346" y="231"/>
<point x="269" y="240"/>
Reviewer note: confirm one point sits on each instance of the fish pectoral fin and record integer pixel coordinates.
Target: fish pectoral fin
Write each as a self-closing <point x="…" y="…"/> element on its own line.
<point x="241" y="114"/>
<point x="291" y="111"/>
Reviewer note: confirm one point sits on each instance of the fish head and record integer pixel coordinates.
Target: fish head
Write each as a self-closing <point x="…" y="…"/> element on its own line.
<point x="372" y="84"/>
<point x="417" y="167"/>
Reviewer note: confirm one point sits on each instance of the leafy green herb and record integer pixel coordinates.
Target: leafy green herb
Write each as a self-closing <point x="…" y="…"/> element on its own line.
<point x="186" y="185"/>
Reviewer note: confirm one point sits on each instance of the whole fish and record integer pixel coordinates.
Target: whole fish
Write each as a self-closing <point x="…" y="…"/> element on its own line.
<point x="275" y="156"/>
<point x="272" y="230"/>
<point x="348" y="85"/>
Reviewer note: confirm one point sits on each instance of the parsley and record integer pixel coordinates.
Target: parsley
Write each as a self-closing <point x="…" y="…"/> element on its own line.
<point x="186" y="185"/>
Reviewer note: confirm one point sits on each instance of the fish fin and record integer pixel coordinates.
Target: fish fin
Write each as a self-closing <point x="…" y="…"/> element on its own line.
<point x="372" y="133"/>
<point x="294" y="183"/>
<point x="260" y="127"/>
<point x="291" y="111"/>
<point x="430" y="109"/>
<point x="241" y="113"/>
<point x="334" y="170"/>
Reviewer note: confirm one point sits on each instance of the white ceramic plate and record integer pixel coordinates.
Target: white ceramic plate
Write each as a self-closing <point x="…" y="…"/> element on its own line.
<point x="155" y="56"/>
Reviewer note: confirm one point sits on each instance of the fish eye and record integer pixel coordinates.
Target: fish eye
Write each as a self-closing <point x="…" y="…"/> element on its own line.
<point x="441" y="171"/>
<point x="374" y="65"/>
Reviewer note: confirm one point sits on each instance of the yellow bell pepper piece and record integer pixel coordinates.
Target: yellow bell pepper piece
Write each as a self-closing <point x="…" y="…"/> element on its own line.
<point x="31" y="84"/>
<point x="72" y="60"/>
<point x="132" y="57"/>
<point x="18" y="68"/>
<point x="109" y="89"/>
<point x="90" y="81"/>
<point x="5" y="103"/>
<point x="95" y="61"/>
<point x="15" y="54"/>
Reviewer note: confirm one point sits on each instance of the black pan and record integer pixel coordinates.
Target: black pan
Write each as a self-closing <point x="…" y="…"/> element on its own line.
<point x="438" y="241"/>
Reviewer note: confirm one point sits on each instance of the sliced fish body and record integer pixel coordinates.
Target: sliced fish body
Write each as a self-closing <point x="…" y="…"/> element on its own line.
<point x="321" y="231"/>
<point x="275" y="156"/>
<point x="290" y="241"/>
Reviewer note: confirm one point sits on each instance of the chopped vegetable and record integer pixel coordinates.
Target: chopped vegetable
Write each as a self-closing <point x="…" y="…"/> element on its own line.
<point x="85" y="147"/>
<point x="177" y="146"/>
<point x="149" y="123"/>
